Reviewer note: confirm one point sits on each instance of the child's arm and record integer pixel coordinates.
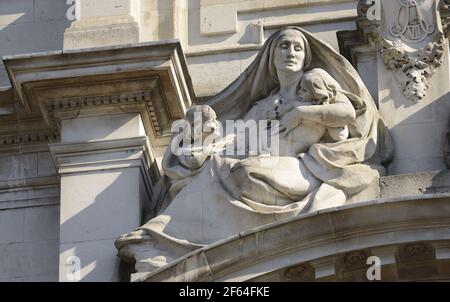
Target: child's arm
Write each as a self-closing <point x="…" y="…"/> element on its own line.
<point x="334" y="114"/>
<point x="338" y="133"/>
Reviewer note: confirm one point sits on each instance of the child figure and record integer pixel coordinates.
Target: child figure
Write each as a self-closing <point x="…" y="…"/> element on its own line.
<point x="319" y="88"/>
<point x="316" y="88"/>
<point x="197" y="145"/>
<point x="203" y="139"/>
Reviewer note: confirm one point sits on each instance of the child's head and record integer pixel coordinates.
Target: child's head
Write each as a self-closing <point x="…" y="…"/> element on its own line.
<point x="318" y="87"/>
<point x="203" y="111"/>
<point x="202" y="120"/>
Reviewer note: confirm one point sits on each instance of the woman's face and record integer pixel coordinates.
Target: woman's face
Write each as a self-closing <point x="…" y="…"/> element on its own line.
<point x="289" y="54"/>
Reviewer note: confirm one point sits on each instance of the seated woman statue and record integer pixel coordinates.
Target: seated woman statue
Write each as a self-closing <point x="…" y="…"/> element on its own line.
<point x="332" y="145"/>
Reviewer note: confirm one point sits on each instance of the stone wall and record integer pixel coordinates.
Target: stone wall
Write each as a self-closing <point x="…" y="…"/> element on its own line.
<point x="29" y="218"/>
<point x="218" y="49"/>
<point x="219" y="39"/>
<point x="31" y="26"/>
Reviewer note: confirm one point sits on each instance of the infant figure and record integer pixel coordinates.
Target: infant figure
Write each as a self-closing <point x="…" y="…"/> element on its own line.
<point x="317" y="88"/>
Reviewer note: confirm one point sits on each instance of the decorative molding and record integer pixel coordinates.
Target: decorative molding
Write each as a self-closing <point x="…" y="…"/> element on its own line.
<point x="415" y="249"/>
<point x="150" y="78"/>
<point x="29" y="138"/>
<point x="23" y="133"/>
<point x="416" y="28"/>
<point x="103" y="155"/>
<point x="132" y="98"/>
<point x="444" y="10"/>
<point x="355" y="259"/>
<point x="364" y="38"/>
<point x="30" y="192"/>
<point x="295" y="272"/>
<point x="411" y="67"/>
<point x="412" y="70"/>
<point x="370" y="8"/>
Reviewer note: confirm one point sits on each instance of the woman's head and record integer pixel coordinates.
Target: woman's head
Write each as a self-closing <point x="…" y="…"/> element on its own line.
<point x="318" y="86"/>
<point x="290" y="52"/>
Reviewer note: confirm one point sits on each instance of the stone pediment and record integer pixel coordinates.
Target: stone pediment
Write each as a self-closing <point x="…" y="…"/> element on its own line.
<point x="149" y="78"/>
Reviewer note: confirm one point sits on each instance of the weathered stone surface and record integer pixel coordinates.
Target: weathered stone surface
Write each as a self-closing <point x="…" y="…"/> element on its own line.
<point x="335" y="231"/>
<point x="72" y="97"/>
<point x="297" y="174"/>
<point x="93" y="267"/>
<point x="415" y="184"/>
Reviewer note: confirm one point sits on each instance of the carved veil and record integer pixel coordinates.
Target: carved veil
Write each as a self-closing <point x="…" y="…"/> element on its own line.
<point x="337" y="164"/>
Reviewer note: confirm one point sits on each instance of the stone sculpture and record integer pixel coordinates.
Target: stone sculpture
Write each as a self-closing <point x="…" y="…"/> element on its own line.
<point x="332" y="146"/>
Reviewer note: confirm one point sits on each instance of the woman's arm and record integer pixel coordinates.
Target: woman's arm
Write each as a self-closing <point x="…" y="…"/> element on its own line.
<point x="338" y="114"/>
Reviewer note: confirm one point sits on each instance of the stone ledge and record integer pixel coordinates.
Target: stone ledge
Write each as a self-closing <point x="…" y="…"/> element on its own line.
<point x="311" y="237"/>
<point x="75" y="157"/>
<point x="417" y="184"/>
<point x="93" y="82"/>
<point x="30" y="192"/>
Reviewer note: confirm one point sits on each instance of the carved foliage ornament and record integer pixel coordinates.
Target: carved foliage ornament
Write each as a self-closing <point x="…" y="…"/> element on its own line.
<point x="444" y="9"/>
<point x="411" y="69"/>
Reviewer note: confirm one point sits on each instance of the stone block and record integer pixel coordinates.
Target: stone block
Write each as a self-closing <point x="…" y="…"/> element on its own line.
<point x="16" y="11"/>
<point x="87" y="33"/>
<point x="209" y="81"/>
<point x="18" y="166"/>
<point x="103" y="8"/>
<point x="12" y="224"/>
<point x="41" y="258"/>
<point x="93" y="267"/>
<point x="28" y="261"/>
<point x="12" y="264"/>
<point x="415" y="165"/>
<point x="50" y="10"/>
<point x="41" y="223"/>
<point x="415" y="184"/>
<point x="429" y="145"/>
<point x="45" y="163"/>
<point x="40" y="36"/>
<point x="366" y="64"/>
<point x="418" y="147"/>
<point x="99" y="205"/>
<point x="218" y="19"/>
<point x="102" y="128"/>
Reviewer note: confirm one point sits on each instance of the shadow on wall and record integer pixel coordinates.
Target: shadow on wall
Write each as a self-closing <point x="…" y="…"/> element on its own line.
<point x="420" y="139"/>
<point x="108" y="204"/>
<point x="28" y="26"/>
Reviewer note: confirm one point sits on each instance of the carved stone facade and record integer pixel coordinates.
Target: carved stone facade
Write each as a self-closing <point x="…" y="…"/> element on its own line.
<point x="86" y="118"/>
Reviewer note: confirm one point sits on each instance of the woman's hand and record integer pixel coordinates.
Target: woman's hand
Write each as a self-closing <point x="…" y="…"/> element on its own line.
<point x="284" y="108"/>
<point x="290" y="121"/>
